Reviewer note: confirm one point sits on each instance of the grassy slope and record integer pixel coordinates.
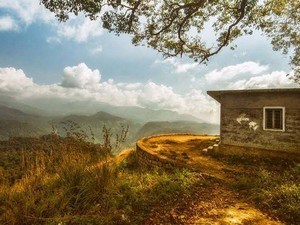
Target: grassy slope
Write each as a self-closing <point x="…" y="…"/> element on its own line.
<point x="70" y="185"/>
<point x="66" y="181"/>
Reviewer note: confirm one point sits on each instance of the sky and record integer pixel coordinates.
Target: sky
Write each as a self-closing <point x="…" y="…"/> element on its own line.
<point x="42" y="59"/>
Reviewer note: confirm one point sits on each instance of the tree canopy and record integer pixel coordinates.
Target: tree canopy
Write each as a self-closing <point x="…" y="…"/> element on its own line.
<point x="175" y="27"/>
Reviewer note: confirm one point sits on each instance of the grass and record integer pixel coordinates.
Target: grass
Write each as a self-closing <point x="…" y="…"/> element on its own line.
<point x="272" y="184"/>
<point x="68" y="183"/>
<point x="56" y="180"/>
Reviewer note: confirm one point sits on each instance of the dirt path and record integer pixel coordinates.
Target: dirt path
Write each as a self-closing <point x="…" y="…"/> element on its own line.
<point x="214" y="203"/>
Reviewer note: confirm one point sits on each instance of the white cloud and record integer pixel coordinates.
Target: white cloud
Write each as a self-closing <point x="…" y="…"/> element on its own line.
<point x="80" y="29"/>
<point x="88" y="87"/>
<point x="14" y="81"/>
<point x="275" y="79"/>
<point x="130" y="86"/>
<point x="77" y="28"/>
<point x="194" y="102"/>
<point x="27" y="11"/>
<point x="159" y="96"/>
<point x="8" y="24"/>
<point x="80" y="76"/>
<point x="230" y="72"/>
<point x="178" y="66"/>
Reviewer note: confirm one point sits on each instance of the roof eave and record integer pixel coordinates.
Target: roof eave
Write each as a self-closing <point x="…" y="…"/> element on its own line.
<point x="215" y="95"/>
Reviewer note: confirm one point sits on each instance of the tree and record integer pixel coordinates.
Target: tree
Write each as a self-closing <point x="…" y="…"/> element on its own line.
<point x="175" y="27"/>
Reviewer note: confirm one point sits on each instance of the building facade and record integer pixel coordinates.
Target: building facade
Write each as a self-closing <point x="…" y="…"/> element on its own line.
<point x="262" y="118"/>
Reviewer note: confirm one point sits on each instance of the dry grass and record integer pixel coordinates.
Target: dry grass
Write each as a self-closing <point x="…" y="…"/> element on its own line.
<point x="177" y="142"/>
<point x="64" y="182"/>
<point x="70" y="184"/>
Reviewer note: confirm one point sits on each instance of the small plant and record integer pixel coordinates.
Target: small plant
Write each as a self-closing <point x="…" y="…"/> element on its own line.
<point x="73" y="130"/>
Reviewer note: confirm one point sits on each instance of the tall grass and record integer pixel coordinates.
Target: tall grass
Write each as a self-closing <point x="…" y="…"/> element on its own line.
<point x="71" y="181"/>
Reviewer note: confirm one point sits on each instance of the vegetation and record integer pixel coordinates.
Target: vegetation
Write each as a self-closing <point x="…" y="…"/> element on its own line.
<point x="55" y="180"/>
<point x="68" y="180"/>
<point x="176" y="27"/>
<point x="272" y="183"/>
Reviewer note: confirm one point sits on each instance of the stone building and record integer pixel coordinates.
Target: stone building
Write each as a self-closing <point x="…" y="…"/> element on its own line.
<point x="262" y="118"/>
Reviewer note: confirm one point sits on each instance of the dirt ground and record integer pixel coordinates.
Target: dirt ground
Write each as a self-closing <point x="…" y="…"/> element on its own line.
<point x="213" y="204"/>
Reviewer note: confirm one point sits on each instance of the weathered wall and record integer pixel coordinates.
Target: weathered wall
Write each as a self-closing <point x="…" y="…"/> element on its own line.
<point x="242" y="121"/>
<point x="256" y="153"/>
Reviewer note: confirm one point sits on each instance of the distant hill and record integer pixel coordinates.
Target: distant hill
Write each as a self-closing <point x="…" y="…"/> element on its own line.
<point x="99" y="116"/>
<point x="144" y="115"/>
<point x="13" y="103"/>
<point x="94" y="124"/>
<point x="142" y="122"/>
<point x="14" y="128"/>
<point x="133" y="113"/>
<point x="11" y="113"/>
<point x="57" y="108"/>
<point x="165" y="127"/>
<point x="14" y="122"/>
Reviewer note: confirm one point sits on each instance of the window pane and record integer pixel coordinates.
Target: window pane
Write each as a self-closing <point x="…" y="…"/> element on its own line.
<point x="274" y="118"/>
<point x="269" y="123"/>
<point x="277" y="119"/>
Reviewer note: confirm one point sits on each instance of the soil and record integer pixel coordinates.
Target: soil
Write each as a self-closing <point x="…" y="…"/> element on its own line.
<point x="215" y="203"/>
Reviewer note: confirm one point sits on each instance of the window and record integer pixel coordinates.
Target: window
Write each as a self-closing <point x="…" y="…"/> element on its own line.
<point x="274" y="118"/>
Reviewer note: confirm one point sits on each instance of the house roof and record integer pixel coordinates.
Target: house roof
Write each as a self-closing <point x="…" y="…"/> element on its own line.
<point x="217" y="94"/>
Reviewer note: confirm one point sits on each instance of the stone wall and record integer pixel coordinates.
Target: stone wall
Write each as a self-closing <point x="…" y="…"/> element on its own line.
<point x="242" y="122"/>
<point x="146" y="157"/>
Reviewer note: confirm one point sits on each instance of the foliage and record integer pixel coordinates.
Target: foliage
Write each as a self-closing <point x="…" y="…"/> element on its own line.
<point x="175" y="27"/>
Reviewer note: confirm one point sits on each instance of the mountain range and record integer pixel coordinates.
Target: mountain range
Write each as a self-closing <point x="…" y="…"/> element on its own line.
<point x="18" y="119"/>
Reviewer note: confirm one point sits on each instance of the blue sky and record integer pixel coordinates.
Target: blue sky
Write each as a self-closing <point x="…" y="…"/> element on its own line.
<point x="77" y="60"/>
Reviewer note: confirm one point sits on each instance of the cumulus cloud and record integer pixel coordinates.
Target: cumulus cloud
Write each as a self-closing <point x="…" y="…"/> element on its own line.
<point x="275" y="79"/>
<point x="80" y="29"/>
<point x="80" y="83"/>
<point x="230" y="72"/>
<point x="80" y="76"/>
<point x="87" y="87"/>
<point x="26" y="12"/>
<point x="8" y="24"/>
<point x="178" y="66"/>
<point x="13" y="81"/>
<point x="158" y="96"/>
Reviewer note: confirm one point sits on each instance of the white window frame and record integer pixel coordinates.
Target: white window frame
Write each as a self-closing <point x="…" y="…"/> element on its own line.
<point x="283" y="118"/>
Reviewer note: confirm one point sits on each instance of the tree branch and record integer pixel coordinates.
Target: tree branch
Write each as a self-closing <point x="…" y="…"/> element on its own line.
<point x="242" y="11"/>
